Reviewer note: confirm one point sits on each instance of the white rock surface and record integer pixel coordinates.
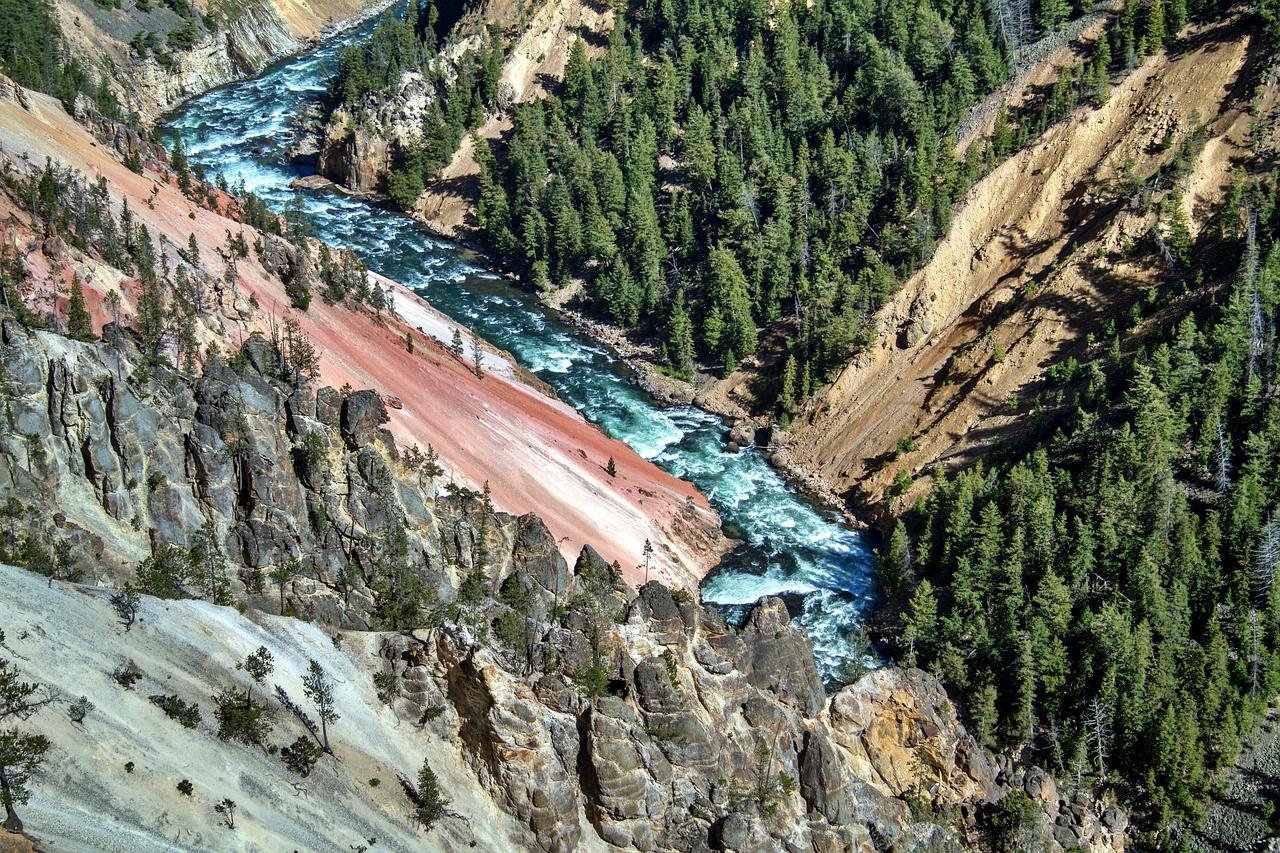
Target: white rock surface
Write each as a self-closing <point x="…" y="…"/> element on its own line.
<point x="67" y="637"/>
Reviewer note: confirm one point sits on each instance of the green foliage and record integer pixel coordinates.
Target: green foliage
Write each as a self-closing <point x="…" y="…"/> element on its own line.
<point x="430" y="803"/>
<point x="318" y="687"/>
<point x="1010" y="819"/>
<point x="21" y="754"/>
<point x="79" y="325"/>
<point x="384" y="684"/>
<point x="126" y="675"/>
<point x="593" y="680"/>
<point x="165" y="573"/>
<point x="125" y="602"/>
<point x="34" y="54"/>
<point x="186" y="713"/>
<point x="400" y="589"/>
<point x="301" y="755"/>
<point x="207" y="566"/>
<point x="464" y="89"/>
<point x="79" y="709"/>
<point x="748" y="168"/>
<point x="1110" y="592"/>
<point x="242" y="718"/>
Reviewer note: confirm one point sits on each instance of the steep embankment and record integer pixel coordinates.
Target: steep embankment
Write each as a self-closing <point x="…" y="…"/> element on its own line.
<point x="720" y="740"/>
<point x="157" y="54"/>
<point x="112" y="784"/>
<point x="1034" y="262"/>
<point x="536" y="60"/>
<point x="356" y="150"/>
<point x="536" y="452"/>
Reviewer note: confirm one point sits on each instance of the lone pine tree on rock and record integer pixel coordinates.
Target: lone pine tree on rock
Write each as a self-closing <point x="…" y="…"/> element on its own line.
<point x="21" y="753"/>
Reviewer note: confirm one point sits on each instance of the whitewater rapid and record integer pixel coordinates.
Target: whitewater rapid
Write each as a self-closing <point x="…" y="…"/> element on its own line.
<point x="791" y="547"/>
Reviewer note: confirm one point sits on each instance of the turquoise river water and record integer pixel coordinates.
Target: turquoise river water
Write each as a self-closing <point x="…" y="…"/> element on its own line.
<point x="790" y="546"/>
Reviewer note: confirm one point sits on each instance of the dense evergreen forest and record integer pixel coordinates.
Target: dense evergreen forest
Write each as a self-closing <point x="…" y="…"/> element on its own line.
<point x="723" y="167"/>
<point x="1108" y="602"/>
<point x="32" y="52"/>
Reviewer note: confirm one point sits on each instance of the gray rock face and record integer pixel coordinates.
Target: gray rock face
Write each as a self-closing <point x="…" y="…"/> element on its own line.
<point x="590" y="711"/>
<point x="780" y="659"/>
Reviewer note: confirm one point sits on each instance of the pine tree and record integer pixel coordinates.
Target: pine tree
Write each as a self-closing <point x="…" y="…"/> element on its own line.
<point x="787" y="393"/>
<point x="896" y="565"/>
<point x="1100" y="71"/>
<point x="21" y="754"/>
<point x="208" y="565"/>
<point x="1153" y="35"/>
<point x="679" y="347"/>
<point x="178" y="160"/>
<point x="918" y="627"/>
<point x="431" y="804"/>
<point x="319" y="689"/>
<point x="79" y="326"/>
<point x="477" y="355"/>
<point x="282" y="574"/>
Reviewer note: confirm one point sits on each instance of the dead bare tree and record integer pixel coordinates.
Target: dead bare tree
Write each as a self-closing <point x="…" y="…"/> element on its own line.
<point x="1097" y="723"/>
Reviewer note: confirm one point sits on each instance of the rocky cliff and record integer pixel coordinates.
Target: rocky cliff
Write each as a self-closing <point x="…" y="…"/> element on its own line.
<point x="155" y="55"/>
<point x="484" y="426"/>
<point x="358" y="145"/>
<point x="566" y="709"/>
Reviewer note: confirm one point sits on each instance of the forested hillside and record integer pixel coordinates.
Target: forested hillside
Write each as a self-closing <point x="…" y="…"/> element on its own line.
<point x="723" y="167"/>
<point x="33" y="53"/>
<point x="461" y="91"/>
<point x="1106" y="602"/>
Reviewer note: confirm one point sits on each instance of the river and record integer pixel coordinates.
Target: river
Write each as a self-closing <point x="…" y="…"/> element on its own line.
<point x="790" y="546"/>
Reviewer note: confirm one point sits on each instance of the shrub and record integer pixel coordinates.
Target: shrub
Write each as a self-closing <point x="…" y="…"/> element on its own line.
<point x="186" y="713"/>
<point x="243" y="719"/>
<point x="79" y="710"/>
<point x="126" y="674"/>
<point x="185" y="788"/>
<point x="301" y="755"/>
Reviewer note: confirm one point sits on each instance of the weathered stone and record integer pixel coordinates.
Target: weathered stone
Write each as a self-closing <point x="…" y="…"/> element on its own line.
<point x="776" y="658"/>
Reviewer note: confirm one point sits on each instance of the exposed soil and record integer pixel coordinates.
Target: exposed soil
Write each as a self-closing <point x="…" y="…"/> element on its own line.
<point x="537" y="452"/>
<point x="1035" y="260"/>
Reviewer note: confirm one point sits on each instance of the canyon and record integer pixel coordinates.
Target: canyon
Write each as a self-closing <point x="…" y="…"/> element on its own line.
<point x="484" y="428"/>
<point x="550" y="614"/>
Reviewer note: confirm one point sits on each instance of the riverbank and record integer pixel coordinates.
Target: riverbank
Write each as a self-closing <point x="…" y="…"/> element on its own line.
<point x="306" y="44"/>
<point x="745" y="429"/>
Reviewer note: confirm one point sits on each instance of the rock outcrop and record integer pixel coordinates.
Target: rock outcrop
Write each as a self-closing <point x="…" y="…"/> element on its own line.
<point x="482" y="427"/>
<point x="590" y="713"/>
<point x="156" y="56"/>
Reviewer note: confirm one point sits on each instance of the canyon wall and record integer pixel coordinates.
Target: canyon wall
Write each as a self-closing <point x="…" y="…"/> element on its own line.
<point x="1033" y="265"/>
<point x="247" y="37"/>
<point x="357" y="145"/>
<point x="537" y="453"/>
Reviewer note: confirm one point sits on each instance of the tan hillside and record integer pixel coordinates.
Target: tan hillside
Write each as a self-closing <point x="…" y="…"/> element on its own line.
<point x="538" y="56"/>
<point x="1034" y="261"/>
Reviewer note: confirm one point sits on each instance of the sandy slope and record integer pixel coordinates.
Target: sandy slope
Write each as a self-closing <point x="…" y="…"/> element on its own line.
<point x="67" y="637"/>
<point x="1033" y="261"/>
<point x="537" y="453"/>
